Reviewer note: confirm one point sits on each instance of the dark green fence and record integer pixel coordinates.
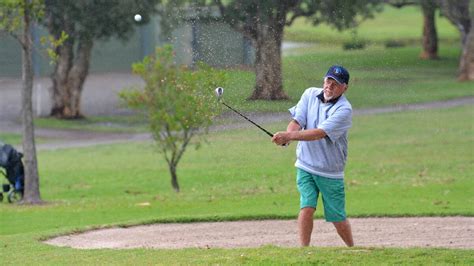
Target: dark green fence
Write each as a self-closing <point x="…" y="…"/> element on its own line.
<point x="212" y="42"/>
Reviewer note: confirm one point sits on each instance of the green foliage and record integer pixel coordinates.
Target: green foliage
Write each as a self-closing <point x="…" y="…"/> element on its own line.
<point x="11" y="13"/>
<point x="394" y="44"/>
<point x="343" y="14"/>
<point x="247" y="15"/>
<point x="11" y="20"/>
<point x="90" y="20"/>
<point x="178" y="101"/>
<point x="355" y="44"/>
<point x="52" y="44"/>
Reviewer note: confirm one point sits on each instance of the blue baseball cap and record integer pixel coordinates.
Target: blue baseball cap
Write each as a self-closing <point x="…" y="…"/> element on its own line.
<point x="339" y="74"/>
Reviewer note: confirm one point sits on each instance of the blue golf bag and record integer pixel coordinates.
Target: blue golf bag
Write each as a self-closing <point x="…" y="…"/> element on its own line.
<point x="14" y="171"/>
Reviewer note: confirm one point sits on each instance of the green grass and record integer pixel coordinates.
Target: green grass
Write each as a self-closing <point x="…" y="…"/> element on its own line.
<point x="404" y="25"/>
<point x="129" y="123"/>
<point x="268" y="255"/>
<point x="13" y="139"/>
<point x="400" y="164"/>
<point x="379" y="77"/>
<point x="416" y="163"/>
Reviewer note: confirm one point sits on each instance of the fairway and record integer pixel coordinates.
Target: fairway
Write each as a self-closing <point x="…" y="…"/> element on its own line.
<point x="107" y="195"/>
<point x="120" y="188"/>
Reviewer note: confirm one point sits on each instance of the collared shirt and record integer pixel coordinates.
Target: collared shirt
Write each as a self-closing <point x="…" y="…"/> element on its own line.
<point x="325" y="157"/>
<point x="321" y="98"/>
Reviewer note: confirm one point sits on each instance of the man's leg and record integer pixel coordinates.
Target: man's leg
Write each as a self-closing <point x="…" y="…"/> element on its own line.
<point x="305" y="225"/>
<point x="344" y="230"/>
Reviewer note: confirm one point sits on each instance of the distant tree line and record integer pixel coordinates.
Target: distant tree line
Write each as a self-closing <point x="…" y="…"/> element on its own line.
<point x="76" y="25"/>
<point x="461" y="14"/>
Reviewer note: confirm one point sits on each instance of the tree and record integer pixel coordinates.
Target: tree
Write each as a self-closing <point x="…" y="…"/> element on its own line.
<point x="16" y="17"/>
<point x="85" y="21"/>
<point x="263" y="22"/>
<point x="458" y="13"/>
<point x="178" y="102"/>
<point x="466" y="65"/>
<point x="430" y="35"/>
<point x="461" y="14"/>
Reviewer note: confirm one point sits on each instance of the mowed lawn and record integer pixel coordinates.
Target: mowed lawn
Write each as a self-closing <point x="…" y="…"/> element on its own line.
<point x="392" y="24"/>
<point x="379" y="77"/>
<point x="415" y="163"/>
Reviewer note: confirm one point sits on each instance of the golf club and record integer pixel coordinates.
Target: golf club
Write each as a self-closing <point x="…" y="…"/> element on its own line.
<point x="220" y="91"/>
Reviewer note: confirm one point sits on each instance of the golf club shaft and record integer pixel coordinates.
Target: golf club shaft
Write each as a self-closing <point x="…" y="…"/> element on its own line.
<point x="264" y="130"/>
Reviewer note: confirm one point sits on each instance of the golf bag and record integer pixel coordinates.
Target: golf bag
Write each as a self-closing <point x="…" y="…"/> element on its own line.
<point x="14" y="171"/>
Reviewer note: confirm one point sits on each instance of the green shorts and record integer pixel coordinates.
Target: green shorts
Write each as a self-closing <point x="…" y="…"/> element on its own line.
<point x="332" y="191"/>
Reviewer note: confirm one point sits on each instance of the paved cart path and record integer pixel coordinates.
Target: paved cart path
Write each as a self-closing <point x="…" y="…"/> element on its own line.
<point x="59" y="138"/>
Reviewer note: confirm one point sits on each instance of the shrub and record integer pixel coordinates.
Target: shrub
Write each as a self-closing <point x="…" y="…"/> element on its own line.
<point x="394" y="44"/>
<point x="179" y="103"/>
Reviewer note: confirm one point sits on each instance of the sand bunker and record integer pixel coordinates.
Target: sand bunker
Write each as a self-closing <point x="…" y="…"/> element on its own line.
<point x="446" y="232"/>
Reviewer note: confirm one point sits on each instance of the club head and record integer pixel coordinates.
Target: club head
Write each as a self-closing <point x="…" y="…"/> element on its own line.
<point x="219" y="91"/>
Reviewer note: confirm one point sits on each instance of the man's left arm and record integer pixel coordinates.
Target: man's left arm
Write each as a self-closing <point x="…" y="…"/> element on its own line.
<point x="283" y="137"/>
<point x="334" y="127"/>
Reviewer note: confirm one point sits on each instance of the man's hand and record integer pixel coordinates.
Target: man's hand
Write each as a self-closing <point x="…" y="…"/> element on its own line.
<point x="281" y="138"/>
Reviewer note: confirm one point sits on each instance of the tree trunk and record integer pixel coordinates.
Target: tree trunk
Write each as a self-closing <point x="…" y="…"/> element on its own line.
<point x="466" y="65"/>
<point x="457" y="11"/>
<point x="68" y="79"/>
<point x="174" y="177"/>
<point x="31" y="191"/>
<point x="430" y="36"/>
<point x="59" y="94"/>
<point x="269" y="85"/>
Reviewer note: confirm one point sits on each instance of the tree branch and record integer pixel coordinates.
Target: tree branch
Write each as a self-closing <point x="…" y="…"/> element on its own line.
<point x="187" y="138"/>
<point x="297" y="10"/>
<point x="16" y="37"/>
<point x="401" y="3"/>
<point x="298" y="13"/>
<point x="247" y="28"/>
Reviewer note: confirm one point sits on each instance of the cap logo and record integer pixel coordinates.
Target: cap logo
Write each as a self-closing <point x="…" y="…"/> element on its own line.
<point x="338" y="73"/>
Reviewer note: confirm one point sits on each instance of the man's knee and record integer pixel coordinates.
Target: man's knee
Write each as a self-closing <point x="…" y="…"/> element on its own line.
<point x="307" y="211"/>
<point x="341" y="225"/>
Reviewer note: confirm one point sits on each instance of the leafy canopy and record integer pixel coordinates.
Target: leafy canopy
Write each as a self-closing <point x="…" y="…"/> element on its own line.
<point x="91" y="19"/>
<point x="179" y="101"/>
<point x="12" y="11"/>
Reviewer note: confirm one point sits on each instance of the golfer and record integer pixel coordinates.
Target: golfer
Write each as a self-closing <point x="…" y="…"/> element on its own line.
<point x="321" y="120"/>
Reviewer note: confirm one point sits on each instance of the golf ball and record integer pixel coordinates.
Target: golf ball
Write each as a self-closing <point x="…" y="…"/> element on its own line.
<point x="219" y="91"/>
<point x="138" y="17"/>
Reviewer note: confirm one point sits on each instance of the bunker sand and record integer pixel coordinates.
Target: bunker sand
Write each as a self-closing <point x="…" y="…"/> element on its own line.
<point x="426" y="232"/>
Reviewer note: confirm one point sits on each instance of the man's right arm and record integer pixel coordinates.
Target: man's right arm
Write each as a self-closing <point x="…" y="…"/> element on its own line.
<point x="294" y="132"/>
<point x="293" y="126"/>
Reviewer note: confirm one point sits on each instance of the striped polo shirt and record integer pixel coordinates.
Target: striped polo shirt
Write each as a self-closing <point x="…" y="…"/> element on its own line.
<point x="325" y="157"/>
